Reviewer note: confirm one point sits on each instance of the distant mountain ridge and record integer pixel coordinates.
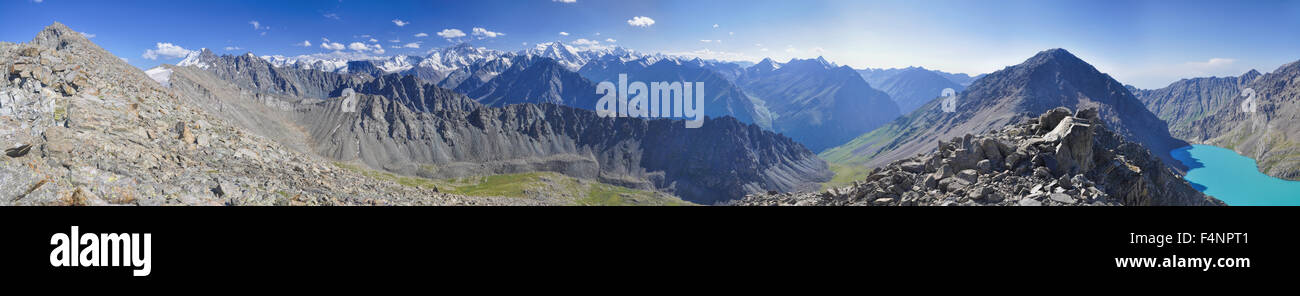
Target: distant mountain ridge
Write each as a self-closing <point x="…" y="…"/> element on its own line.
<point x="913" y="87"/>
<point x="722" y="97"/>
<point x="877" y="76"/>
<point x="816" y="102"/>
<point x="1184" y="102"/>
<point x="1210" y="111"/>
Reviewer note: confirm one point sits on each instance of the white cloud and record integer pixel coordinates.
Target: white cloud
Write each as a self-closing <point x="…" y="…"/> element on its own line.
<point x="358" y="46"/>
<point x="818" y="49"/>
<point x="374" y="40"/>
<point x="125" y="60"/>
<point x="412" y="45"/>
<point x="481" y="32"/>
<point x="331" y="45"/>
<point x="421" y="35"/>
<point x="715" y="26"/>
<point x="451" y="33"/>
<point x="610" y="40"/>
<point x="564" y="33"/>
<point x="232" y="48"/>
<point x="641" y="21"/>
<point x="333" y="16"/>
<point x="395" y="41"/>
<point x="256" y="25"/>
<point x="585" y="42"/>
<point x="87" y="35"/>
<point x="561" y="1"/>
<point x="1213" y="63"/>
<point x="706" y="41"/>
<point x="166" y="51"/>
<point x="304" y="43"/>
<point x="400" y="23"/>
<point x="731" y="33"/>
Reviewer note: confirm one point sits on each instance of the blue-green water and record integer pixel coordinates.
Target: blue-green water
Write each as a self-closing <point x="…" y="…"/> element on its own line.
<point x="1234" y="179"/>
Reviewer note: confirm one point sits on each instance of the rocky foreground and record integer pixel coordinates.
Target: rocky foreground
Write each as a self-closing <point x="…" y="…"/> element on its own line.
<point x="81" y="127"/>
<point x="1058" y="158"/>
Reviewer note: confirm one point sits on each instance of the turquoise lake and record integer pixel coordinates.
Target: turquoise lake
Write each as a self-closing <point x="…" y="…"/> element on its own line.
<point x="1234" y="178"/>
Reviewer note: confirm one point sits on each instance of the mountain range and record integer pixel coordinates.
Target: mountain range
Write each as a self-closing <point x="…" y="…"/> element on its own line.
<point x="815" y="101"/>
<point x="318" y="129"/>
<point x="722" y="97"/>
<point x="408" y="126"/>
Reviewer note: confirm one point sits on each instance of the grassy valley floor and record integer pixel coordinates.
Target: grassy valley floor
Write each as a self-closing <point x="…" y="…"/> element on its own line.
<point x="550" y="187"/>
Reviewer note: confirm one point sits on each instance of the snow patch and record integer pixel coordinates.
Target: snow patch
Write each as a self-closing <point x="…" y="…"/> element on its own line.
<point x="161" y="75"/>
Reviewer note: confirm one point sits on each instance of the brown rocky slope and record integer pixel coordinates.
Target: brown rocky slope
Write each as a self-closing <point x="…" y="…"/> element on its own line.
<point x="1054" y="159"/>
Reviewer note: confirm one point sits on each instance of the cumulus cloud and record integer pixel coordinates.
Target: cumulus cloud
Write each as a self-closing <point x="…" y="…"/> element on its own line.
<point x="400" y="23"/>
<point x="561" y="1"/>
<point x="256" y="25"/>
<point x="412" y="45"/>
<point x="585" y="42"/>
<point x="374" y="40"/>
<point x="451" y="33"/>
<point x="304" y="43"/>
<point x="641" y="21"/>
<point x="564" y="33"/>
<point x="232" y="48"/>
<point x="481" y="32"/>
<point x="422" y="35"/>
<point x="610" y="40"/>
<point x="715" y="26"/>
<point x="332" y="45"/>
<point x="166" y="51"/>
<point x="358" y="46"/>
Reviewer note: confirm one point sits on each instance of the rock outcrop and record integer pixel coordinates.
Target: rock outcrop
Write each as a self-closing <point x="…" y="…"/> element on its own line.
<point x="1054" y="159"/>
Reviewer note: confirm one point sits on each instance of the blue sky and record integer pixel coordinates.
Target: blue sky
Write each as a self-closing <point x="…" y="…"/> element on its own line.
<point x="1145" y="43"/>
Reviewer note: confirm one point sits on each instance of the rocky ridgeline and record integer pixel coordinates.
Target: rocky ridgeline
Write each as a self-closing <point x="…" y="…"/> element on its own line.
<point x="82" y="127"/>
<point x="1055" y="159"/>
